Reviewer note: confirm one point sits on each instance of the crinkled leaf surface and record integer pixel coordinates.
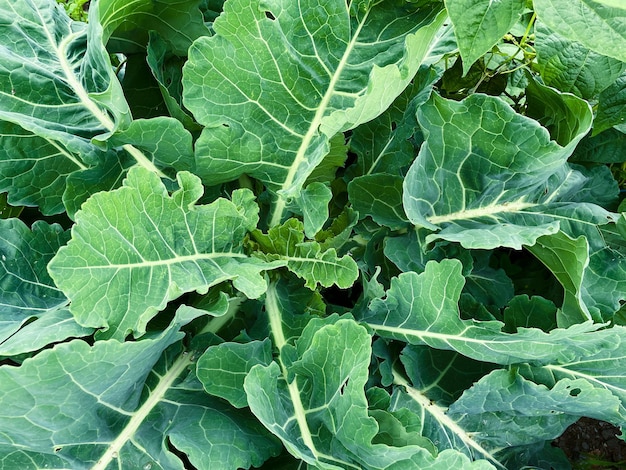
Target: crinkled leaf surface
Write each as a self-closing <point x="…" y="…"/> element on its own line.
<point x="136" y="248"/>
<point x="612" y="107"/>
<point x="422" y="309"/>
<point x="488" y="177"/>
<point x="590" y="22"/>
<point x="480" y="24"/>
<point x="306" y="258"/>
<point x="114" y="405"/>
<point x="286" y="76"/>
<point x="570" y="66"/>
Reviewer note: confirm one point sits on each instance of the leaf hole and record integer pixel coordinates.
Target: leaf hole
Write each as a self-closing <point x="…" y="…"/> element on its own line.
<point x="181" y="455"/>
<point x="342" y="389"/>
<point x="394" y="125"/>
<point x="57" y="449"/>
<point x="575" y="392"/>
<point x="269" y="16"/>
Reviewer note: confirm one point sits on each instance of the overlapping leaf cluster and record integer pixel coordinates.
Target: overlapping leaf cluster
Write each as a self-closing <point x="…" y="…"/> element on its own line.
<point x="322" y="234"/>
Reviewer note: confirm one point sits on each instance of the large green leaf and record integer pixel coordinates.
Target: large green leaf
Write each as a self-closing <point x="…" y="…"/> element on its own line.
<point x="422" y="309"/>
<point x="480" y="24"/>
<point x="488" y="177"/>
<point x="570" y="66"/>
<point x="122" y="405"/>
<point x="601" y="28"/>
<point x="285" y="77"/>
<point x="136" y="248"/>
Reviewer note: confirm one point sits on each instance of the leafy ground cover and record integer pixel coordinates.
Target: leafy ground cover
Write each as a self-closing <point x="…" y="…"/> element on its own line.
<point x="313" y="234"/>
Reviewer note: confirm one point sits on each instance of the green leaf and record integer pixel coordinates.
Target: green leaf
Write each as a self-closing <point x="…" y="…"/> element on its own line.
<point x="164" y="139"/>
<point x="480" y="24"/>
<point x="223" y="368"/>
<point x="136" y="248"/>
<point x="314" y="201"/>
<point x="598" y="27"/>
<point x="328" y="378"/>
<point x="571" y="67"/>
<point x="506" y="191"/>
<point x="612" y="107"/>
<point x="422" y="309"/>
<point x="608" y="146"/>
<point x="33" y="312"/>
<point x="120" y="404"/>
<point x="380" y="197"/>
<point x="179" y="22"/>
<point x="271" y="113"/>
<point x="383" y="144"/>
<point x="306" y="259"/>
<point x="602" y="369"/>
<point x="504" y="409"/>
<point x="528" y="312"/>
<point x="167" y="69"/>
<point x="58" y="91"/>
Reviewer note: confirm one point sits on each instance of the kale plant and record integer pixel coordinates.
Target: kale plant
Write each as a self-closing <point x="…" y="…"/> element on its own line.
<point x="310" y="234"/>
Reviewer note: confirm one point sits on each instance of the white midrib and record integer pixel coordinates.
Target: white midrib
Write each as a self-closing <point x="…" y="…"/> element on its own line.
<point x="166" y="262"/>
<point x="487" y="211"/>
<point x="140" y="415"/>
<point x="281" y="202"/>
<point x="87" y="102"/>
<point x="439" y="414"/>
<point x="276" y="326"/>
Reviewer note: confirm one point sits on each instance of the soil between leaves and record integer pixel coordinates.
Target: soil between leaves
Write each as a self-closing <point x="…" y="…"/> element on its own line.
<point x="590" y="444"/>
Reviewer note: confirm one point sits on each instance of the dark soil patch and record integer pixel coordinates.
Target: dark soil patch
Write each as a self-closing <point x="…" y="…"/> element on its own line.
<point x="590" y="444"/>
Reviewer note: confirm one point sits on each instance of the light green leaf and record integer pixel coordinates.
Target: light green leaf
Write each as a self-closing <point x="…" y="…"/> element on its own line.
<point x="571" y="67"/>
<point x="223" y="368"/>
<point x="437" y="425"/>
<point x="179" y="22"/>
<point x="317" y="401"/>
<point x="480" y="24"/>
<point x="285" y="77"/>
<point x="335" y="158"/>
<point x="504" y="409"/>
<point x="136" y="248"/>
<point x="422" y="309"/>
<point x="163" y="139"/>
<point x="604" y="369"/>
<point x="306" y="259"/>
<point x="314" y="201"/>
<point x="600" y="27"/>
<point x="566" y="116"/>
<point x="488" y="177"/>
<point x="380" y="197"/>
<point x="118" y="405"/>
